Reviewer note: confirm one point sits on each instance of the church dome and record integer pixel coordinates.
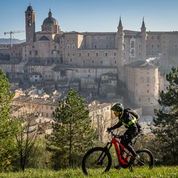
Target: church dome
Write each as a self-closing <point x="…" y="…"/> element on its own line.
<point x="50" y="20"/>
<point x="50" y="24"/>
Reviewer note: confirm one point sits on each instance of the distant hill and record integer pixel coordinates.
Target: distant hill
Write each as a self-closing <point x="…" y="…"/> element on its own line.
<point x="7" y="41"/>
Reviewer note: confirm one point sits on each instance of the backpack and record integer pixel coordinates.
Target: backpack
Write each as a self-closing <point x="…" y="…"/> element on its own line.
<point x="131" y="111"/>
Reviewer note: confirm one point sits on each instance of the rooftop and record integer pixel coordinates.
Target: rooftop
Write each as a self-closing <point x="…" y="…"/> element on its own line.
<point x="141" y="64"/>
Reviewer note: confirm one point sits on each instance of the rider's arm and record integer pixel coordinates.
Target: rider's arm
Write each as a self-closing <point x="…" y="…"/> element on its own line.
<point x="115" y="126"/>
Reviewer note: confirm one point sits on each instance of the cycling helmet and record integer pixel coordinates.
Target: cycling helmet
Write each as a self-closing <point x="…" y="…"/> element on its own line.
<point x="118" y="107"/>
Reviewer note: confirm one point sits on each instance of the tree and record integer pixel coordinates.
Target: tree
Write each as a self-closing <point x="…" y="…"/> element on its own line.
<point x="25" y="139"/>
<point x="166" y="121"/>
<point x="8" y="126"/>
<point x="72" y="133"/>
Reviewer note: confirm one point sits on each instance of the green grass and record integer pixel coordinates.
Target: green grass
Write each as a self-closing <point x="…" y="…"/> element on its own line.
<point x="158" y="172"/>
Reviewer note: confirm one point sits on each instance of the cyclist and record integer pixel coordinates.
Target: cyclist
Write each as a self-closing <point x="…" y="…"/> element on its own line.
<point x="129" y="119"/>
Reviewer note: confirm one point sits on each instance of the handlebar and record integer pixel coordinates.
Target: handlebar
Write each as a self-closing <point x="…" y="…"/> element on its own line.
<point x="113" y="134"/>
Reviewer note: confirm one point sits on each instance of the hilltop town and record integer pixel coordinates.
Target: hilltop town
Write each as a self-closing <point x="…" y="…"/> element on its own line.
<point x="105" y="67"/>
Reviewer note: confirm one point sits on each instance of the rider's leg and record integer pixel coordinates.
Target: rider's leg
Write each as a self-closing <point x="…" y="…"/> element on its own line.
<point x="131" y="149"/>
<point x="126" y="139"/>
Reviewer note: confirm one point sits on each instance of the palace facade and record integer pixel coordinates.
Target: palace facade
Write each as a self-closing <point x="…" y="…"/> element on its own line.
<point x="93" y="62"/>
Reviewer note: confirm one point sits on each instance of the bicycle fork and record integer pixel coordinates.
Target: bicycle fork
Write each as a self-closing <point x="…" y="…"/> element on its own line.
<point x="103" y="154"/>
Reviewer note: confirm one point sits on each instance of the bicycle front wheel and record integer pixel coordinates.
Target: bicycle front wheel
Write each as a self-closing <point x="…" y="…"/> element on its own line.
<point x="96" y="158"/>
<point x="145" y="158"/>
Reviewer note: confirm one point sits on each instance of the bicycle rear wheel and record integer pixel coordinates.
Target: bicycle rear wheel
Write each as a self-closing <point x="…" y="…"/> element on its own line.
<point x="96" y="158"/>
<point x="145" y="158"/>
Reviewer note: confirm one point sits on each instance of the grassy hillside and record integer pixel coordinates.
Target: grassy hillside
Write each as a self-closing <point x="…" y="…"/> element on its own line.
<point x="159" y="172"/>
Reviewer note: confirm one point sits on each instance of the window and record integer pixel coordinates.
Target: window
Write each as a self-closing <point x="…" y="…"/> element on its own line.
<point x="106" y="54"/>
<point x="96" y="54"/>
<point x="88" y="54"/>
<point x="114" y="54"/>
<point x="36" y="53"/>
<point x="132" y="45"/>
<point x="132" y="52"/>
<point x="79" y="54"/>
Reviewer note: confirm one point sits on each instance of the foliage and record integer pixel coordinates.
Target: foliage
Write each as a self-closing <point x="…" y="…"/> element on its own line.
<point x="40" y="157"/>
<point x="8" y="126"/>
<point x="25" y="139"/>
<point x="72" y="133"/>
<point x="166" y="121"/>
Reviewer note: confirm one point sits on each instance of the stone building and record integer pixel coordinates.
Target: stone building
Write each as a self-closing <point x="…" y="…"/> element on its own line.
<point x="143" y="84"/>
<point x="103" y="49"/>
<point x="87" y="60"/>
<point x="43" y="105"/>
<point x="101" y="118"/>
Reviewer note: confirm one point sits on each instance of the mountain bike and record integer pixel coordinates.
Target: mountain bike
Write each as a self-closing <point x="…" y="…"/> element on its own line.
<point x="100" y="157"/>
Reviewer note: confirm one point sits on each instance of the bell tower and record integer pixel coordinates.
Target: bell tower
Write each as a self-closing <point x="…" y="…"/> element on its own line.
<point x="143" y="39"/>
<point x="120" y="49"/>
<point x="120" y="42"/>
<point x="30" y="24"/>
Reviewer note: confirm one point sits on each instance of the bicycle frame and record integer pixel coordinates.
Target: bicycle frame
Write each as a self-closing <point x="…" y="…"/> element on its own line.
<point x="119" y="148"/>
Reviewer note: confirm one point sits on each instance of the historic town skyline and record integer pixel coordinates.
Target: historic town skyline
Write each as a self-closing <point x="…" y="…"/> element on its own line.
<point x="91" y="15"/>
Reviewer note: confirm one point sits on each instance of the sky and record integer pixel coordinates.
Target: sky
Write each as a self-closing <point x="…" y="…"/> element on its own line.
<point x="91" y="15"/>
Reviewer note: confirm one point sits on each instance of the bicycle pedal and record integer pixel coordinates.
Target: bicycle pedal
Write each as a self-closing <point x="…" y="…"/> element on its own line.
<point x="117" y="167"/>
